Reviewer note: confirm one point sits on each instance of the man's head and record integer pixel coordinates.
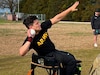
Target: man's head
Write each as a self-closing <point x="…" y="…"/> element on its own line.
<point x="32" y="22"/>
<point x="97" y="12"/>
<point x="29" y="21"/>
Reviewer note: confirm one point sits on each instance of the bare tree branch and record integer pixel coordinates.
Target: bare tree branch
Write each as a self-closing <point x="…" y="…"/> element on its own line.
<point x="11" y="4"/>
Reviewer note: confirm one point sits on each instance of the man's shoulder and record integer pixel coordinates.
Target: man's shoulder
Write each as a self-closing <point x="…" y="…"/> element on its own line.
<point x="46" y="21"/>
<point x="46" y="24"/>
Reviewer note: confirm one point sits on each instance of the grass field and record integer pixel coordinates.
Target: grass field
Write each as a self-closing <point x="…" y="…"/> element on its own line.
<point x="75" y="38"/>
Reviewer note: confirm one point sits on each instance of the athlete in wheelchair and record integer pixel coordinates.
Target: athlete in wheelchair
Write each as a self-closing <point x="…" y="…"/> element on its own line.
<point x="38" y="39"/>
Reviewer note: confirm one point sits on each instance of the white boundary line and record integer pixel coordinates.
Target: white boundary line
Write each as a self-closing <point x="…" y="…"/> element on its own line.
<point x="75" y="22"/>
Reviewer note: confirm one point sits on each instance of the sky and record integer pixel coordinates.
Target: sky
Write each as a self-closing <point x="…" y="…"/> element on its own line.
<point x="5" y="10"/>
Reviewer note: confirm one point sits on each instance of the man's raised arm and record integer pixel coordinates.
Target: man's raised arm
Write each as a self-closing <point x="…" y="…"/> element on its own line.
<point x="61" y="15"/>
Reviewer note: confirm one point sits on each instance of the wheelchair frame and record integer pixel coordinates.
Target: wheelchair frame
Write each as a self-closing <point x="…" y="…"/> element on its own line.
<point x="52" y="70"/>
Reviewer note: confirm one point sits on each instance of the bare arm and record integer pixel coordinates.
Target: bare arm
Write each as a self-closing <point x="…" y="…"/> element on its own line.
<point x="25" y="48"/>
<point x="61" y="15"/>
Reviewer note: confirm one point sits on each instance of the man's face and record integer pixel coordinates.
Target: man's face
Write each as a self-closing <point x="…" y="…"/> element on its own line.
<point x="36" y="25"/>
<point x="97" y="13"/>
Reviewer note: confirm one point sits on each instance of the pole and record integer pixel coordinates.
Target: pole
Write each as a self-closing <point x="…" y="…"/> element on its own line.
<point x="18" y="10"/>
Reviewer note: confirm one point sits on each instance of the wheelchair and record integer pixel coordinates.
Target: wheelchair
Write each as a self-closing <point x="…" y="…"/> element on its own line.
<point x="51" y="65"/>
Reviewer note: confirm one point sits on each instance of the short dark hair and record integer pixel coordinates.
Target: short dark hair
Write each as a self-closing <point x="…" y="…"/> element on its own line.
<point x="97" y="10"/>
<point x="29" y="20"/>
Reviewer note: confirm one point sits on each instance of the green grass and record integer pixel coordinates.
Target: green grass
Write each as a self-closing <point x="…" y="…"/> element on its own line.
<point x="2" y="21"/>
<point x="79" y="34"/>
<point x="87" y="56"/>
<point x="16" y="65"/>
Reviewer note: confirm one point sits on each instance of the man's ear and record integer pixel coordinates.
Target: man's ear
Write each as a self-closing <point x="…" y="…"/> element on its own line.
<point x="30" y="26"/>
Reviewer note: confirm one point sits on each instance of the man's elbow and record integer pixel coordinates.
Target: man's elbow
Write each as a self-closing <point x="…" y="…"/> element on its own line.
<point x="21" y="53"/>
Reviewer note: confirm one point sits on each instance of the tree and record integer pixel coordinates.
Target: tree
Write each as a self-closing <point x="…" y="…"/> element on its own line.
<point x="11" y="4"/>
<point x="86" y="8"/>
<point x="22" y="4"/>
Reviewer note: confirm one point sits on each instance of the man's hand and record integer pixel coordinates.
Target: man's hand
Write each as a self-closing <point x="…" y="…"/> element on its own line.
<point x="64" y="13"/>
<point x="74" y="6"/>
<point x="31" y="33"/>
<point x="93" y="29"/>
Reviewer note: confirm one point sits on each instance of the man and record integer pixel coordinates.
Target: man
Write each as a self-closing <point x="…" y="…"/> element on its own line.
<point x="95" y="24"/>
<point x="41" y="43"/>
